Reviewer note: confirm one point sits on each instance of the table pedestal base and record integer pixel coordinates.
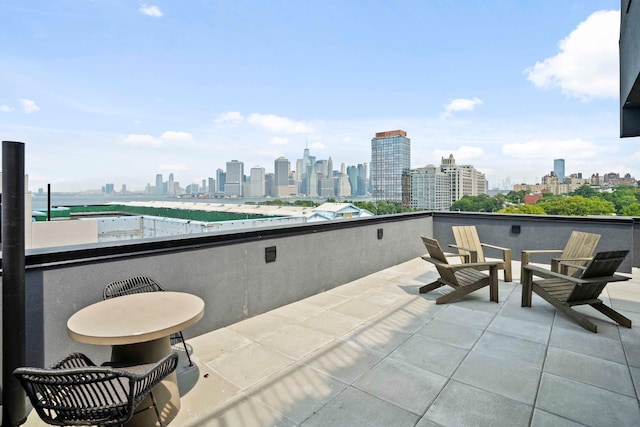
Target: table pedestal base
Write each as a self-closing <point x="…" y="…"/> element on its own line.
<point x="166" y="393"/>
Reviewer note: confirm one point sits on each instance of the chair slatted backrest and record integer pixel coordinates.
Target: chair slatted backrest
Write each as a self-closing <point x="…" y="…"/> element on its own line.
<point x="604" y="264"/>
<point x="467" y="237"/>
<point x="579" y="245"/>
<point x="131" y="285"/>
<point x="436" y="252"/>
<point x="84" y="396"/>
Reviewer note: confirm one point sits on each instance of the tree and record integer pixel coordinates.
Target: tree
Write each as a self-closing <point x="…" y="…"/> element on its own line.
<point x="523" y="209"/>
<point x="631" y="210"/>
<point x="584" y="191"/>
<point x="577" y="206"/>
<point x="516" y="196"/>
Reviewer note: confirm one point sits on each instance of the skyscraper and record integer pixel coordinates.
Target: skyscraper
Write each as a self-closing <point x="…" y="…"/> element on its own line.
<point x="159" y="183"/>
<point x="257" y="182"/>
<point x="558" y="170"/>
<point x="235" y="179"/>
<point x="391" y="167"/>
<point x="221" y="179"/>
<point x="281" y="171"/>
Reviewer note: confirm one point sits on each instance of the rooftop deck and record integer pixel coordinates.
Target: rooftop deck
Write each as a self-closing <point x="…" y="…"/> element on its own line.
<point x="374" y="352"/>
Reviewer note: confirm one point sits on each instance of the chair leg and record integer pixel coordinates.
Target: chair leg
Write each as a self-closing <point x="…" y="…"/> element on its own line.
<point x="186" y="350"/>
<point x="431" y="286"/>
<point x="612" y="314"/>
<point x="155" y="407"/>
<point x="568" y="311"/>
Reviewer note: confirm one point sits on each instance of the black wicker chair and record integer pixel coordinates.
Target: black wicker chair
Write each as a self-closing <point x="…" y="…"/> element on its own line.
<point x="74" y="391"/>
<point x="137" y="285"/>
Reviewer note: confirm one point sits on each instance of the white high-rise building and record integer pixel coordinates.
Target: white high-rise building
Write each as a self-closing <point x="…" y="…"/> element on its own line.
<point x="234" y="179"/>
<point x="257" y="182"/>
<point x="465" y="179"/>
<point x="430" y="189"/>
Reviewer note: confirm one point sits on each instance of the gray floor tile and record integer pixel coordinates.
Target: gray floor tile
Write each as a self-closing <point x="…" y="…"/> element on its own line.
<point x="465" y="317"/>
<point x="521" y="329"/>
<point x="344" y="360"/>
<point x="355" y="408"/>
<point x="297" y="392"/>
<point x="586" y="342"/>
<point x="402" y="385"/>
<point x="401" y="319"/>
<point x="505" y="377"/>
<point x="507" y="347"/>
<point x="240" y="366"/>
<point x="296" y="341"/>
<point x="545" y="419"/>
<point x="430" y="355"/>
<point x="451" y="333"/>
<point x="590" y="370"/>
<point x="331" y="322"/>
<point x="260" y="326"/>
<point x="241" y="410"/>
<point x="635" y="375"/>
<point x="463" y="405"/>
<point x="586" y="404"/>
<point x="377" y="338"/>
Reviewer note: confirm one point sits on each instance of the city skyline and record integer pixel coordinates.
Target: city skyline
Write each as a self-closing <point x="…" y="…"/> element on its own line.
<point x="120" y="91"/>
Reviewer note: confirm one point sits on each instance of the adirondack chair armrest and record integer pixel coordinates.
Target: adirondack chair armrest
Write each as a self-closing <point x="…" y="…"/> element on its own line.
<point x="490" y="264"/>
<point x="526" y="254"/>
<point x="500" y="248"/>
<point x="543" y="272"/>
<point x="434" y="261"/>
<point x="608" y="279"/>
<point x="470" y="256"/>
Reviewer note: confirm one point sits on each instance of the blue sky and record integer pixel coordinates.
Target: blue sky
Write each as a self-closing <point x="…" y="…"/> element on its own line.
<point x="119" y="90"/>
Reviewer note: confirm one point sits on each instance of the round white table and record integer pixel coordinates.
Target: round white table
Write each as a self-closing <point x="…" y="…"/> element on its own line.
<point x="138" y="328"/>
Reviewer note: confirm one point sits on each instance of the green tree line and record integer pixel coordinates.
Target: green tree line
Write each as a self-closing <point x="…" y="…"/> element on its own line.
<point x="622" y="200"/>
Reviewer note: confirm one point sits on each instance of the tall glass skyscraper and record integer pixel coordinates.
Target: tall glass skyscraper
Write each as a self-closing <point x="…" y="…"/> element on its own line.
<point x="558" y="170"/>
<point x="391" y="167"/>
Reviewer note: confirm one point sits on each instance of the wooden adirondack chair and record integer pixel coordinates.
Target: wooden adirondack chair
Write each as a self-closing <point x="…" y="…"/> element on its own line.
<point x="565" y="291"/>
<point x="468" y="242"/>
<point x="577" y="252"/>
<point x="463" y="278"/>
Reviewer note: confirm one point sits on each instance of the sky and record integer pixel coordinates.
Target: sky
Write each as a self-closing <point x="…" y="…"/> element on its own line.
<point x="117" y="91"/>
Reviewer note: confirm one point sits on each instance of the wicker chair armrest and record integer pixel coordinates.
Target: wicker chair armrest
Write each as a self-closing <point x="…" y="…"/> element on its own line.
<point x="151" y="374"/>
<point x="74" y="360"/>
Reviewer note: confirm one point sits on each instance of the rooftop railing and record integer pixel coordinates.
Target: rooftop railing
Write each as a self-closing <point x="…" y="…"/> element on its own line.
<point x="242" y="274"/>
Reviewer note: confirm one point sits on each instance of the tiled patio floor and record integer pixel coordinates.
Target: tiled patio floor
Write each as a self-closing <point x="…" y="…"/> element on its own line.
<point x="374" y="352"/>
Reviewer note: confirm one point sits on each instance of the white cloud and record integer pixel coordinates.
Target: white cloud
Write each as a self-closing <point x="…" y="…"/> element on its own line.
<point x="552" y="149"/>
<point x="229" y="118"/>
<point x="460" y="104"/>
<point x="587" y="64"/>
<point x="463" y="155"/>
<point x="278" y="124"/>
<point x="6" y="108"/>
<point x="278" y="140"/>
<point x="141" y="140"/>
<point x="176" y="167"/>
<point x="29" y="106"/>
<point x="151" y="10"/>
<point x="174" y="136"/>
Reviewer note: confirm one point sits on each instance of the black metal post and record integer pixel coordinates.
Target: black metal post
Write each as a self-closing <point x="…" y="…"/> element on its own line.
<point x="48" y="202"/>
<point x="13" y="290"/>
